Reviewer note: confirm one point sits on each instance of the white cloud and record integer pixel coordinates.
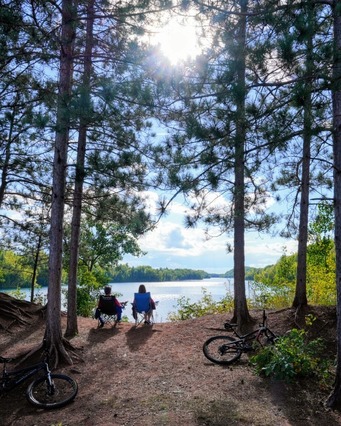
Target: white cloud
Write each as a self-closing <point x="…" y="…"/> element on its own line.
<point x="263" y="250"/>
<point x="172" y="245"/>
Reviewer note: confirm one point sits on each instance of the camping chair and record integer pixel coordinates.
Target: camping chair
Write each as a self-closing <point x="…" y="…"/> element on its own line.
<point x="142" y="307"/>
<point x="108" y="309"/>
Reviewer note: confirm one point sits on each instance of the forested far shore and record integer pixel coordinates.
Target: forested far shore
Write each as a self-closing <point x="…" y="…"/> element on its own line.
<point x="279" y="279"/>
<point x="15" y="273"/>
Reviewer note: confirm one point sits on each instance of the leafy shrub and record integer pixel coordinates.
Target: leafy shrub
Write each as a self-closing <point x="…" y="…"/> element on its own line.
<point x="89" y="287"/>
<point x="86" y="302"/>
<point x="18" y="293"/>
<point x="206" y="305"/>
<point x="270" y="298"/>
<point x="292" y="357"/>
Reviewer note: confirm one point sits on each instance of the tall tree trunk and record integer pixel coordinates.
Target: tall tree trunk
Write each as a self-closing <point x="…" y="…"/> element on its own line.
<point x="53" y="331"/>
<point x="72" y="327"/>
<point x="301" y="275"/>
<point x="241" y="313"/>
<point x="35" y="266"/>
<point x="6" y="160"/>
<point x="334" y="400"/>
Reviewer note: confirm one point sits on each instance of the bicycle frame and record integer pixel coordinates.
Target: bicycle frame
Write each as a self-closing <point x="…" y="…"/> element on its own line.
<point x="12" y="379"/>
<point x="47" y="390"/>
<point x="225" y="350"/>
<point x="245" y="339"/>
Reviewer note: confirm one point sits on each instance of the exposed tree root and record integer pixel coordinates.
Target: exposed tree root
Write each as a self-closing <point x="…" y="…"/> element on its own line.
<point x="17" y="312"/>
<point x="299" y="316"/>
<point x="244" y="320"/>
<point x="334" y="399"/>
<point x="65" y="353"/>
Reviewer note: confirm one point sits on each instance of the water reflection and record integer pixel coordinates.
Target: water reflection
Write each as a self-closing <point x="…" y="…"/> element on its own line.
<point x="168" y="293"/>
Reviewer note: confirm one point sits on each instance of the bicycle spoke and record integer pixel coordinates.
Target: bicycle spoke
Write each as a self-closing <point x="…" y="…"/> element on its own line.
<point x="222" y="349"/>
<point x="63" y="390"/>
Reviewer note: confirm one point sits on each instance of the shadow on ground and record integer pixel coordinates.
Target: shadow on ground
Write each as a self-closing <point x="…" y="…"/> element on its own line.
<point x="138" y="336"/>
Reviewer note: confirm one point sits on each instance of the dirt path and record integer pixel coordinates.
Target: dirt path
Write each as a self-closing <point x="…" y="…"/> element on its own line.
<point x="158" y="375"/>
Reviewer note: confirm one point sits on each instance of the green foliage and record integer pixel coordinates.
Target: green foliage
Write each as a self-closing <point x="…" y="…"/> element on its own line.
<point x="292" y="357"/>
<point x="321" y="258"/>
<point x="38" y="296"/>
<point x="86" y="302"/>
<point x="206" y="305"/>
<point x="14" y="271"/>
<point x="250" y="273"/>
<point x="276" y="283"/>
<point x="125" y="273"/>
<point x="265" y="297"/>
<point x="13" y="274"/>
<point x="17" y="294"/>
<point x="89" y="286"/>
<point x="88" y="289"/>
<point x="282" y="274"/>
<point x="323" y="225"/>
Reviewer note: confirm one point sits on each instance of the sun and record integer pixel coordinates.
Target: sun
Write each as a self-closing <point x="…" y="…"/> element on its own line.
<point x="178" y="40"/>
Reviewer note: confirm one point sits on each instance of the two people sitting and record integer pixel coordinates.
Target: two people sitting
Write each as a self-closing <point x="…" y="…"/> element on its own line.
<point x="108" y="304"/>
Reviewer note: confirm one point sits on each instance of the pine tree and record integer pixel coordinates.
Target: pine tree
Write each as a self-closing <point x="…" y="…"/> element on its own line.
<point x="216" y="151"/>
<point x="53" y="332"/>
<point x="334" y="400"/>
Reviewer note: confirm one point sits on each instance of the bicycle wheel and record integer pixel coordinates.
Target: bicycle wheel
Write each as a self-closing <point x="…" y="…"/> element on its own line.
<point x="63" y="390"/>
<point x="222" y="350"/>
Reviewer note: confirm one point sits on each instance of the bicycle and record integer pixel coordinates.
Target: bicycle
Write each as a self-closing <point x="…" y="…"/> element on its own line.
<point x="47" y="391"/>
<point x="226" y="350"/>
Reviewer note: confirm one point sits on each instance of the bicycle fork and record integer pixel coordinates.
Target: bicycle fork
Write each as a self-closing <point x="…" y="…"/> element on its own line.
<point x="49" y="381"/>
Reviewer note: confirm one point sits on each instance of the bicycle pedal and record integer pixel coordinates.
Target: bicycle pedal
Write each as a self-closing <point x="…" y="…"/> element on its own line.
<point x="248" y="348"/>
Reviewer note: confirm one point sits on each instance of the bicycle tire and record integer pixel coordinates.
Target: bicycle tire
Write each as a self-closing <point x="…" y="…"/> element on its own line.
<point x="223" y="350"/>
<point x="64" y="391"/>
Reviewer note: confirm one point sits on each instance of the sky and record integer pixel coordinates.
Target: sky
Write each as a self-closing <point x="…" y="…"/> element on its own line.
<point x="172" y="245"/>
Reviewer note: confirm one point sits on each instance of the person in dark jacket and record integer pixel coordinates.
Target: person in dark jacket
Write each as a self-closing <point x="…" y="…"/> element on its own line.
<point x="116" y="305"/>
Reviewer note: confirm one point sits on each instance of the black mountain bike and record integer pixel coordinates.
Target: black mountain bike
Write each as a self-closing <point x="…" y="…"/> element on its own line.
<point x="47" y="391"/>
<point x="226" y="350"/>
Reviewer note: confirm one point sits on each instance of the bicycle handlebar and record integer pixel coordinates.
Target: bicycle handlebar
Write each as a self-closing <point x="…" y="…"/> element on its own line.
<point x="230" y="326"/>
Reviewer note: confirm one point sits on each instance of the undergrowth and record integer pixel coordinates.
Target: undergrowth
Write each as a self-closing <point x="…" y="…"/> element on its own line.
<point x="205" y="306"/>
<point x="294" y="356"/>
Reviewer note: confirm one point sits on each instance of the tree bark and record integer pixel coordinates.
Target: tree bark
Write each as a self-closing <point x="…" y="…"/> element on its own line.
<point x="14" y="312"/>
<point x="35" y="266"/>
<point x="241" y="313"/>
<point x="72" y="327"/>
<point x="334" y="400"/>
<point x="53" y="332"/>
<point x="300" y="298"/>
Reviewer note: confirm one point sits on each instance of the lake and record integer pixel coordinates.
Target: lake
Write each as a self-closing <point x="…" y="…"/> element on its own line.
<point x="167" y="293"/>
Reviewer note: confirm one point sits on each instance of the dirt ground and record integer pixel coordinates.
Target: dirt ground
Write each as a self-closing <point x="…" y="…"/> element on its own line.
<point x="158" y="375"/>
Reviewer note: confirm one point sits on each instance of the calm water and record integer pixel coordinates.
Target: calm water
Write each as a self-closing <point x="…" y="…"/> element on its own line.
<point x="167" y="293"/>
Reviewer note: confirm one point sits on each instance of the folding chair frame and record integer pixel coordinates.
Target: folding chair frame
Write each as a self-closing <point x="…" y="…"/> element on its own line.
<point x="108" y="319"/>
<point x="141" y="315"/>
<point x="107" y="312"/>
